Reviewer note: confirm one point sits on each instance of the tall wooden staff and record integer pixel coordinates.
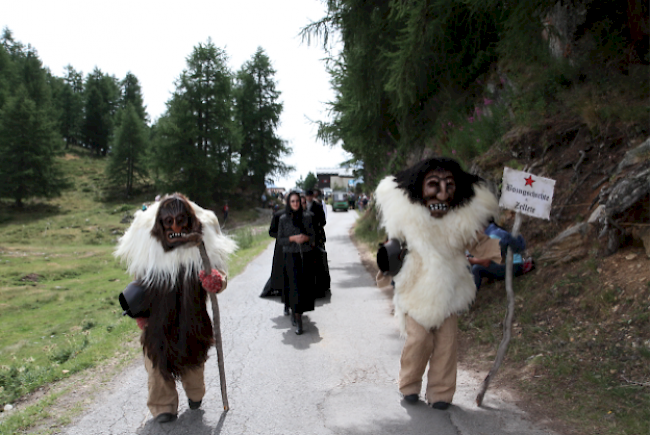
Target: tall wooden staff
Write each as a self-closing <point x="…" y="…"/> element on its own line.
<point x="521" y="194"/>
<point x="507" y="324"/>
<point x="216" y="326"/>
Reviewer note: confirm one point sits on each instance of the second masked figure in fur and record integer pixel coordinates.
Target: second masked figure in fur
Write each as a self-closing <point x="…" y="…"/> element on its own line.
<point x="438" y="211"/>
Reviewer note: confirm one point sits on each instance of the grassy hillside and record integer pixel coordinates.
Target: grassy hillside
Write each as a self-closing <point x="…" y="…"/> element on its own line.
<point x="59" y="283"/>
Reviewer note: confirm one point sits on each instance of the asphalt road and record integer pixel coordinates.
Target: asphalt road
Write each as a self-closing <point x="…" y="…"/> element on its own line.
<point x="340" y="377"/>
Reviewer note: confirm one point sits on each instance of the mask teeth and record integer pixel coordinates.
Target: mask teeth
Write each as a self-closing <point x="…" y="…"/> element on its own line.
<point x="433" y="207"/>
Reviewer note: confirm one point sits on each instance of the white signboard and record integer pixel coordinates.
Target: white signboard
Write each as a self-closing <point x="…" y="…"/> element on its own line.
<point x="527" y="193"/>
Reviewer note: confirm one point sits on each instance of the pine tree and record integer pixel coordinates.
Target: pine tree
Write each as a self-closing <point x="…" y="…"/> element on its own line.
<point x="197" y="144"/>
<point x="128" y="150"/>
<point x="258" y="112"/>
<point x="34" y="78"/>
<point x="102" y="95"/>
<point x="311" y="181"/>
<point x="70" y="105"/>
<point x="6" y="75"/>
<point x="132" y="94"/>
<point x="28" y="146"/>
<point x="12" y="46"/>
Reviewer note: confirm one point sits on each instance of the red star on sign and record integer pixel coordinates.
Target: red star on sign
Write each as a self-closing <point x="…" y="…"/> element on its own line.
<point x="529" y="181"/>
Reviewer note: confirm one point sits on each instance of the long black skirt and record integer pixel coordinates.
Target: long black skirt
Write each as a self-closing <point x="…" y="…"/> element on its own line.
<point x="299" y="291"/>
<point x="276" y="283"/>
<point x="321" y="272"/>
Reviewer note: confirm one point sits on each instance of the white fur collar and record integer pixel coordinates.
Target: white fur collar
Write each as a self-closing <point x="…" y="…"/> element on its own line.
<point x="435" y="280"/>
<point x="148" y="262"/>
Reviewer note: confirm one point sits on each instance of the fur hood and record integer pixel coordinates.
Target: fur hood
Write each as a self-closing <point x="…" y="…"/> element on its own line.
<point x="148" y="262"/>
<point x="435" y="280"/>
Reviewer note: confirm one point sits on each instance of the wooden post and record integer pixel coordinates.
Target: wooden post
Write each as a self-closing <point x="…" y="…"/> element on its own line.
<point x="507" y="324"/>
<point x="216" y="326"/>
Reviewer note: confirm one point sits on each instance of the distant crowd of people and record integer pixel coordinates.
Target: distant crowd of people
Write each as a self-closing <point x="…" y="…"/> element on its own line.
<point x="359" y="201"/>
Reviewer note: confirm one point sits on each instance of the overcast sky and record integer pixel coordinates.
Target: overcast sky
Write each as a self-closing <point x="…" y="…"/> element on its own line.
<point x="153" y="38"/>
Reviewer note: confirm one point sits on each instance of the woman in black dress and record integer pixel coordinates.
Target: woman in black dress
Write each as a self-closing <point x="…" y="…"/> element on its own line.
<point x="297" y="237"/>
<point x="275" y="284"/>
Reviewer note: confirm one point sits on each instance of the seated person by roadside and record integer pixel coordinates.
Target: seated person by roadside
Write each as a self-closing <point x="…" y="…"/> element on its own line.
<point x="488" y="259"/>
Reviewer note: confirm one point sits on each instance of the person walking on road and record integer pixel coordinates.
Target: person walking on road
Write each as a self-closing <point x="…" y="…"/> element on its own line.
<point x="317" y="197"/>
<point x="437" y="210"/>
<point x="275" y="284"/>
<point x="172" y="309"/>
<point x="321" y="269"/>
<point x="297" y="237"/>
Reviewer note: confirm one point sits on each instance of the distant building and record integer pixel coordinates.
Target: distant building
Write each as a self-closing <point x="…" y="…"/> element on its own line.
<point x="276" y="189"/>
<point x="334" y="178"/>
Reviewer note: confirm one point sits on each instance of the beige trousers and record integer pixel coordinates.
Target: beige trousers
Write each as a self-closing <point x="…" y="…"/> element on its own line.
<point x="438" y="348"/>
<point x="162" y="393"/>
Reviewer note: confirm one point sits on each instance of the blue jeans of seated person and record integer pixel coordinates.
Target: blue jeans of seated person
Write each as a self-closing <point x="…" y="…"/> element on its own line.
<point x="494" y="271"/>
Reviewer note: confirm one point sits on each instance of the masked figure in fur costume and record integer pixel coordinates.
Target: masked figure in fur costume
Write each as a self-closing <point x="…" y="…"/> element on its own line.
<point x="438" y="211"/>
<point x="160" y="249"/>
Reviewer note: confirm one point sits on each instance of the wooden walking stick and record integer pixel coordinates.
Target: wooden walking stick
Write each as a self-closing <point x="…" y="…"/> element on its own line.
<point x="507" y="324"/>
<point x="216" y="326"/>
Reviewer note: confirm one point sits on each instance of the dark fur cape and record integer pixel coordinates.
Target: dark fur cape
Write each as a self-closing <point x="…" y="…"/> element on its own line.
<point x="179" y="331"/>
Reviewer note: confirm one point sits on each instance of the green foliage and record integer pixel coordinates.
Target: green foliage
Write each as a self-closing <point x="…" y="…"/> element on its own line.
<point x="257" y="112"/>
<point x="466" y="137"/>
<point x="197" y="143"/>
<point x="218" y="135"/>
<point x="368" y="231"/>
<point x="249" y="237"/>
<point x="70" y="106"/>
<point x="407" y="67"/>
<point x="128" y="150"/>
<point x="18" y="422"/>
<point x="309" y="183"/>
<point x="101" y="102"/>
<point x="28" y="145"/>
<point x="132" y="94"/>
<point x="401" y="65"/>
<point x="16" y="381"/>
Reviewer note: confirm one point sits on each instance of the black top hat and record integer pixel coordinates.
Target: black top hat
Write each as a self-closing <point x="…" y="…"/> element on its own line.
<point x="131" y="300"/>
<point x="390" y="256"/>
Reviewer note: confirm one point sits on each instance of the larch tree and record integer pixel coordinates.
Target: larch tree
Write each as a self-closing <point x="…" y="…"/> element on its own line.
<point x="128" y="150"/>
<point x="71" y="106"/>
<point x="257" y="111"/>
<point x="6" y="75"/>
<point x="311" y="181"/>
<point x="403" y="67"/>
<point x="132" y="94"/>
<point x="101" y="103"/>
<point x="197" y="145"/>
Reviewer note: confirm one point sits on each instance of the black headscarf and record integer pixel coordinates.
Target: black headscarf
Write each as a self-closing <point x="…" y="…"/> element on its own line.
<point x="296" y="216"/>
